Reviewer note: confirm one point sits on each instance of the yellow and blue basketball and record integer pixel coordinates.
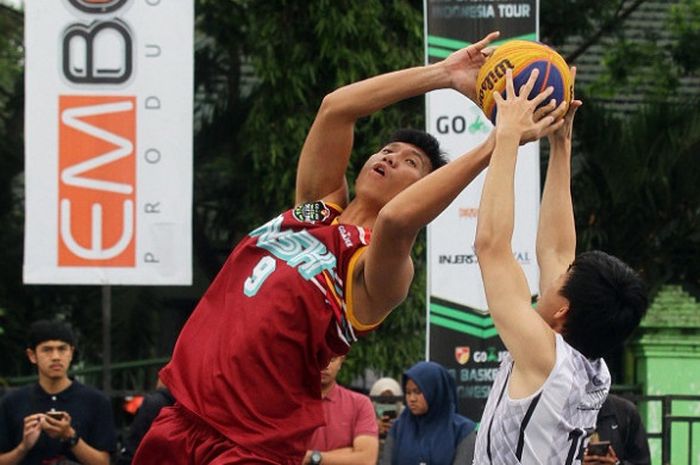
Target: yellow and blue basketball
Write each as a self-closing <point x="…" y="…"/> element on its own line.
<point x="522" y="57"/>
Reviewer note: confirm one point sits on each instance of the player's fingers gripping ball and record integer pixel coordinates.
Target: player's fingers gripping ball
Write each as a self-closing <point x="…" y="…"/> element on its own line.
<point x="522" y="56"/>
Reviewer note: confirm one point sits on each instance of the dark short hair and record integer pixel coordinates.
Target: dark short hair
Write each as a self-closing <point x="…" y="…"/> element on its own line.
<point x="607" y="300"/>
<point x="46" y="330"/>
<point x="424" y="141"/>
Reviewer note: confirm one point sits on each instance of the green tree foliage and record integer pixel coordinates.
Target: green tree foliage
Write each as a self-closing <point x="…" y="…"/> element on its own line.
<point x="654" y="63"/>
<point x="636" y="189"/>
<point x="685" y="24"/>
<point x="11" y="152"/>
<point x="560" y="19"/>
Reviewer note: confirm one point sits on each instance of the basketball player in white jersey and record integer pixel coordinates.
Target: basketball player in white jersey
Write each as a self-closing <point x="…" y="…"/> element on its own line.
<point x="546" y="396"/>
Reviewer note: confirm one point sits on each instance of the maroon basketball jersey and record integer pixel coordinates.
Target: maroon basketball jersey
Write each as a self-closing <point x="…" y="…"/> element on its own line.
<point x="249" y="358"/>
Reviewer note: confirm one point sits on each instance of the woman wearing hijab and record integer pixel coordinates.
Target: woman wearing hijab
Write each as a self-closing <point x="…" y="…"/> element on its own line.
<point x="429" y="431"/>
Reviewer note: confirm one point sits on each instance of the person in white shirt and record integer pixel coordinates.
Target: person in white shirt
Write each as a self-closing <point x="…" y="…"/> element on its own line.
<point x="546" y="396"/>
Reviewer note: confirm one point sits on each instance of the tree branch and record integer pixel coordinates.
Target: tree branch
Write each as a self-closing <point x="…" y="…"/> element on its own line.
<point x="619" y="17"/>
<point x="8" y="9"/>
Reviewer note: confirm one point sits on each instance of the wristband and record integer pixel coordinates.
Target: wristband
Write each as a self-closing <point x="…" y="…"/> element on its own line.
<point x="72" y="440"/>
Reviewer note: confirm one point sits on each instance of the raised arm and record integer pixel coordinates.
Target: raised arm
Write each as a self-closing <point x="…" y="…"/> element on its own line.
<point x="326" y="151"/>
<point x="384" y="273"/>
<point x="556" y="233"/>
<point x="528" y="338"/>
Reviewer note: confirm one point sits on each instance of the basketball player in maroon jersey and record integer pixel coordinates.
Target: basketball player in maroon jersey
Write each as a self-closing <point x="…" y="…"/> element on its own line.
<point x="296" y="291"/>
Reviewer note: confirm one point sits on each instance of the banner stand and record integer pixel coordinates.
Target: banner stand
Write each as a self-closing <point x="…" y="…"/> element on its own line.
<point x="107" y="339"/>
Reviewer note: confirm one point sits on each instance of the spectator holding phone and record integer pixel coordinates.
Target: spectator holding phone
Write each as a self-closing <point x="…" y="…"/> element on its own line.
<point x="620" y="437"/>
<point x="350" y="433"/>
<point x="57" y="420"/>
<point x="384" y="393"/>
<point x="429" y="430"/>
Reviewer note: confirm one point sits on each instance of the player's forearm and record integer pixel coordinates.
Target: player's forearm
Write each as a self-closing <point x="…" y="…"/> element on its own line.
<point x="556" y="231"/>
<point x="14" y="456"/>
<point x="88" y="455"/>
<point x="424" y="200"/>
<point x="350" y="456"/>
<point x="330" y="139"/>
<point x="494" y="229"/>
<point x="365" y="97"/>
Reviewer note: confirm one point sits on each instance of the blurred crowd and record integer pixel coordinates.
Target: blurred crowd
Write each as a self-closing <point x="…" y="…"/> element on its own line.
<point x="414" y="420"/>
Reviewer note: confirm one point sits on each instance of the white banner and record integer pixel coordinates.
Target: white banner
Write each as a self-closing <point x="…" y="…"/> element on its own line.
<point x="108" y="131"/>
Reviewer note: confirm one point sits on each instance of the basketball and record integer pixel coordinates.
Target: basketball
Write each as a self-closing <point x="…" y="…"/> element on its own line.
<point x="522" y="57"/>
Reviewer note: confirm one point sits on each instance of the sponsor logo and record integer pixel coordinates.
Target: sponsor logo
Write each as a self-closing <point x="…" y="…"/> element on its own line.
<point x="462" y="354"/>
<point x="473" y="124"/>
<point x="469" y="259"/>
<point x="495" y="74"/>
<point x="457" y="259"/>
<point x="311" y="212"/>
<point x="490" y="355"/>
<point x="345" y="235"/>
<point x="97" y="181"/>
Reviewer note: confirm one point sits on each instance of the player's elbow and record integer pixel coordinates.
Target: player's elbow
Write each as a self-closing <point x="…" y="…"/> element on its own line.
<point x="484" y="245"/>
<point x="335" y="106"/>
<point x="388" y="218"/>
<point x="394" y="221"/>
<point x="491" y="247"/>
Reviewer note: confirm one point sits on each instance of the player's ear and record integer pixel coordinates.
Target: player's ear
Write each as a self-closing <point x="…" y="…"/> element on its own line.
<point x="562" y="313"/>
<point x="31" y="355"/>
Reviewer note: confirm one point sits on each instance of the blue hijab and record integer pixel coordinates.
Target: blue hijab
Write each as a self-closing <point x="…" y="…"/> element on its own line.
<point x="431" y="438"/>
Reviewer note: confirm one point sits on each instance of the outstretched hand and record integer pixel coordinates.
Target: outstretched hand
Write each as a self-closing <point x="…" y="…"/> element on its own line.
<point x="565" y="132"/>
<point x="463" y="65"/>
<point x="519" y="115"/>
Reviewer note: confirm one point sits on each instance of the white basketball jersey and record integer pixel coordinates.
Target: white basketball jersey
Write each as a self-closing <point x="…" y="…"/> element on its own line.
<point x="550" y="427"/>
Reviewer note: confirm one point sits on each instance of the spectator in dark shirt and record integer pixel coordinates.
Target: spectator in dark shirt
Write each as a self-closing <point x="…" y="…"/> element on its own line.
<point x="56" y="420"/>
<point x="620" y="424"/>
